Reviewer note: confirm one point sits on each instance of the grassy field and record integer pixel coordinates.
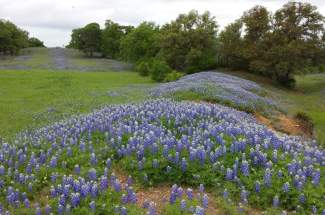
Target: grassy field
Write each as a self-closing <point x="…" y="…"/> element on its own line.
<point x="29" y="98"/>
<point x="307" y="97"/>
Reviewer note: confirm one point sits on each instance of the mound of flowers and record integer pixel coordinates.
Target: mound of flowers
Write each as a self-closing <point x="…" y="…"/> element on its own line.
<point x="69" y="165"/>
<point x="231" y="90"/>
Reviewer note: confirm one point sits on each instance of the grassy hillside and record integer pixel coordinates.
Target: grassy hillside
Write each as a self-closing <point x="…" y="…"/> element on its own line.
<point x="29" y="98"/>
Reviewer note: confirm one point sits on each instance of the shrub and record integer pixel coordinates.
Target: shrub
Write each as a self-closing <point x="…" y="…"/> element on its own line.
<point x="173" y="76"/>
<point x="159" y="70"/>
<point x="306" y="122"/>
<point x="143" y="68"/>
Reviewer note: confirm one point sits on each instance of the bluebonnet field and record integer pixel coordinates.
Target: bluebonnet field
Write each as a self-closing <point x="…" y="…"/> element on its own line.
<point x="68" y="167"/>
<point x="215" y="86"/>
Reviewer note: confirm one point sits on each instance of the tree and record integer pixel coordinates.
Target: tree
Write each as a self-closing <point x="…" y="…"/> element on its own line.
<point x="140" y="43"/>
<point x="231" y="45"/>
<point x="91" y="38"/>
<point x="12" y="38"/>
<point x="257" y="25"/>
<point x="189" y="43"/>
<point x="34" y="42"/>
<point x="111" y="38"/>
<point x="75" y="41"/>
<point x="86" y="39"/>
<point x="297" y="40"/>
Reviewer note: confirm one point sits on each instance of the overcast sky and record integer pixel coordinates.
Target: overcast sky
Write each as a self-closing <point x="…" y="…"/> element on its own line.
<point x="53" y="20"/>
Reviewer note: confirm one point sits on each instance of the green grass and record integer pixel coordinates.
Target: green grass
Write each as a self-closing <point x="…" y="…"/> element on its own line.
<point x="40" y="57"/>
<point x="33" y="58"/>
<point x="34" y="98"/>
<point x="77" y="58"/>
<point x="307" y="97"/>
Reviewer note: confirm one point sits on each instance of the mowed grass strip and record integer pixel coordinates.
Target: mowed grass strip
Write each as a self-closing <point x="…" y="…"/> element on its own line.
<point x="29" y="98"/>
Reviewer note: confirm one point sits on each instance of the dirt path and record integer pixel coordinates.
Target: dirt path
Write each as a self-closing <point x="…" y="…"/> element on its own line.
<point x="59" y="59"/>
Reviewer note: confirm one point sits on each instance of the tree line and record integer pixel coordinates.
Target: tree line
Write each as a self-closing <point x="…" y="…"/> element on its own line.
<point x="278" y="46"/>
<point x="13" y="39"/>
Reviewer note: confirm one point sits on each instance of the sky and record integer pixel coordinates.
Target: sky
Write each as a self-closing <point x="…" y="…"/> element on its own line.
<point x="53" y="20"/>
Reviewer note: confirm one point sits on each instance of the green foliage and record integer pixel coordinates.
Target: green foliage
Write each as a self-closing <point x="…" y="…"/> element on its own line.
<point x="277" y="46"/>
<point x="189" y="43"/>
<point x="12" y="38"/>
<point x="140" y="43"/>
<point x="111" y="38"/>
<point x="231" y="45"/>
<point x="86" y="39"/>
<point x="173" y="76"/>
<point x="158" y="70"/>
<point x="143" y="67"/>
<point x="34" y="42"/>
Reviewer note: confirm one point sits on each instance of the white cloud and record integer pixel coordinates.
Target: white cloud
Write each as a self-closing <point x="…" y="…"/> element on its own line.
<point x="53" y="20"/>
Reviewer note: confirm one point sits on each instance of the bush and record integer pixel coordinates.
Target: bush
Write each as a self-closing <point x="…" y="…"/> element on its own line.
<point x="143" y="68"/>
<point x="306" y="122"/>
<point x="173" y="76"/>
<point x="158" y="70"/>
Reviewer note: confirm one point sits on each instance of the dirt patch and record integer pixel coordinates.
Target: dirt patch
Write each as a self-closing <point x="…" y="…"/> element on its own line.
<point x="160" y="195"/>
<point x="265" y="121"/>
<point x="285" y="124"/>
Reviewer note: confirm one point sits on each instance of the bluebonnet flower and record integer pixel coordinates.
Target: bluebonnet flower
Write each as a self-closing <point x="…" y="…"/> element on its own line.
<point x="124" y="211"/>
<point x="225" y="193"/>
<point x="245" y="168"/>
<point x="267" y="177"/>
<point x="286" y="187"/>
<point x="60" y="209"/>
<point x="94" y="190"/>
<point x="199" y="211"/>
<point x="179" y="192"/>
<point x="257" y="186"/>
<point x="104" y="183"/>
<point x="124" y="199"/>
<point x="183" y="205"/>
<point x="201" y="188"/>
<point x="48" y="209"/>
<point x="27" y="203"/>
<point x="183" y="164"/>
<point x="92" y="174"/>
<point x="302" y="198"/>
<point x="243" y="196"/>
<point x="75" y="199"/>
<point x="152" y="208"/>
<point x="77" y="169"/>
<point x="93" y="159"/>
<point x="205" y="200"/>
<point x="189" y="193"/>
<point x="92" y="205"/>
<point x="229" y="174"/>
<point x="316" y="177"/>
<point x="155" y="163"/>
<point x="38" y="211"/>
<point x="276" y="201"/>
<point x="53" y="162"/>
